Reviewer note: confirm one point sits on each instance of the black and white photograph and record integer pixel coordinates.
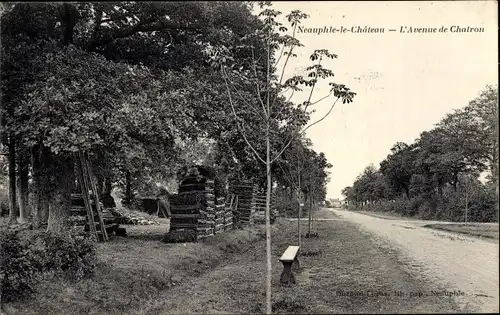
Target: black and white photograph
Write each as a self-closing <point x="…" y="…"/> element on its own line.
<point x="244" y="157"/>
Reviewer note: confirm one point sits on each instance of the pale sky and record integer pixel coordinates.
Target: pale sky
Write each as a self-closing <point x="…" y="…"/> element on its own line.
<point x="405" y="82"/>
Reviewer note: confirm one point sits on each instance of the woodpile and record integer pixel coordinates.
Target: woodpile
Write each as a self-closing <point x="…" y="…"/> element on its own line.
<point x="228" y="213"/>
<point x="245" y="192"/>
<point x="194" y="208"/>
<point x="220" y="212"/>
<point x="79" y="215"/>
<point x="260" y="209"/>
<point x="127" y="216"/>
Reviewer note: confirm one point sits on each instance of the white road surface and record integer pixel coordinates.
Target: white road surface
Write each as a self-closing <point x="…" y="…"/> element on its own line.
<point x="452" y="262"/>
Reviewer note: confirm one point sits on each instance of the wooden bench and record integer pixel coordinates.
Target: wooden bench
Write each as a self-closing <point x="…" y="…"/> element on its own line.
<point x="289" y="259"/>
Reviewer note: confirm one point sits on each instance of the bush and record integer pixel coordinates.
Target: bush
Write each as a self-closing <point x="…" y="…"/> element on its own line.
<point x="4" y="203"/>
<point x="27" y="256"/>
<point x="19" y="269"/>
<point x="287" y="208"/>
<point x="69" y="255"/>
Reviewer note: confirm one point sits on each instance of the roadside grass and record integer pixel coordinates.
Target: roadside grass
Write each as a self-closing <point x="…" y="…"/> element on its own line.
<point x="134" y="270"/>
<point x="386" y="215"/>
<point x="472" y="229"/>
<point x="339" y="261"/>
<point x="139" y="274"/>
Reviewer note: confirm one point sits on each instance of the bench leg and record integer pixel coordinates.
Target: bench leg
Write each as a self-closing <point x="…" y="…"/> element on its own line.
<point x="296" y="264"/>
<point x="287" y="276"/>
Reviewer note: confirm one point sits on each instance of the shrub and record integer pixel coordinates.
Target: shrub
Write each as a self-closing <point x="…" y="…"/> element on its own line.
<point x="4" y="203"/>
<point x="19" y="270"/>
<point x="288" y="208"/>
<point x="69" y="255"/>
<point x="27" y="256"/>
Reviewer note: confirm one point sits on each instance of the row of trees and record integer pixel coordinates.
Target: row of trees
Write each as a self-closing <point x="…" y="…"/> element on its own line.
<point x="438" y="176"/>
<point x="126" y="82"/>
<point x="138" y="85"/>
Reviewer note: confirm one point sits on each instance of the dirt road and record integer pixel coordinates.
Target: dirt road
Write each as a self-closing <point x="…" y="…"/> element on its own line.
<point x="456" y="263"/>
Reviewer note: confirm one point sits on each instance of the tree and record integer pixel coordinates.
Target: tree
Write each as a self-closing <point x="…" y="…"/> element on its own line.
<point x="397" y="168"/>
<point x="348" y="193"/>
<point x="269" y="89"/>
<point x="439" y="173"/>
<point x="56" y="39"/>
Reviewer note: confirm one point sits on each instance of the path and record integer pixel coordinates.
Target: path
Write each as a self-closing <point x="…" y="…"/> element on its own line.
<point x="454" y="262"/>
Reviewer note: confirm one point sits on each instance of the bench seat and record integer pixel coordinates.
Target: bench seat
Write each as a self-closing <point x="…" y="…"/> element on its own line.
<point x="289" y="259"/>
<point x="290" y="254"/>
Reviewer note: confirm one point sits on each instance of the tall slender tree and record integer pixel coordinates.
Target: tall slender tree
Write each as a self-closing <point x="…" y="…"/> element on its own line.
<point x="270" y="103"/>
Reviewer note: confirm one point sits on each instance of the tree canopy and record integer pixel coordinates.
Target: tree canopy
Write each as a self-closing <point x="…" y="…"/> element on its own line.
<point x="434" y="169"/>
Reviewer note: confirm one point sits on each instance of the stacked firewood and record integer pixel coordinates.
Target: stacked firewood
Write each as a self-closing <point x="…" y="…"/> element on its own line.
<point x="188" y="209"/>
<point x="79" y="216"/>
<point x="220" y="214"/>
<point x="260" y="209"/>
<point x="128" y="216"/>
<point x="194" y="207"/>
<point x="206" y="224"/>
<point x="246" y="192"/>
<point x="228" y="213"/>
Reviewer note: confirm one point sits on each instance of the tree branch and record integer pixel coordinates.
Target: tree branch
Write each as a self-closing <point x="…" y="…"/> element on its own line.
<point x="303" y="131"/>
<point x="253" y="108"/>
<point x="279" y="58"/>
<point x="289" y="178"/>
<point x="142" y="26"/>
<point x="238" y="120"/>
<point x="286" y="62"/>
<point x="257" y="85"/>
<point x="316" y="102"/>
<point x="322" y="118"/>
<point x="314" y="85"/>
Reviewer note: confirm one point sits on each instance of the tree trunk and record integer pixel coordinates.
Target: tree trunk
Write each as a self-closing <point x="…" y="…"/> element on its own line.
<point x="310" y="214"/>
<point x="268" y="222"/>
<point x="60" y="201"/>
<point x="35" y="171"/>
<point x="466" y="197"/>
<point x="107" y="186"/>
<point x="45" y="184"/>
<point x="44" y="207"/>
<point x="300" y="207"/>
<point x="100" y="184"/>
<point x="70" y="18"/>
<point x="23" y="188"/>
<point x="13" y="210"/>
<point x="128" y="188"/>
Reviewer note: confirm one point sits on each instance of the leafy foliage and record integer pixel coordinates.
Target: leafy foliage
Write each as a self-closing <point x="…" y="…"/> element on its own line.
<point x="26" y="257"/>
<point x="437" y="176"/>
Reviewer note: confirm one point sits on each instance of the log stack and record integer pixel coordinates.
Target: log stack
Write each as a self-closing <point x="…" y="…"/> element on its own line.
<point x="228" y="215"/>
<point x="220" y="215"/>
<point x="188" y="212"/>
<point x="79" y="217"/>
<point x="260" y="209"/>
<point x="194" y="207"/>
<point x="206" y="228"/>
<point x="245" y="192"/>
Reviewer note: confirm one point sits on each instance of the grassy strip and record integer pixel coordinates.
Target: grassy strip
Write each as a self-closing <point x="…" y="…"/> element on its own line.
<point x="488" y="231"/>
<point x="225" y="274"/>
<point x="339" y="262"/>
<point x="135" y="272"/>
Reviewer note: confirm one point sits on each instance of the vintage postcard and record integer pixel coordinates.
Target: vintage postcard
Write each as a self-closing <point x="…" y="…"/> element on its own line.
<point x="207" y="157"/>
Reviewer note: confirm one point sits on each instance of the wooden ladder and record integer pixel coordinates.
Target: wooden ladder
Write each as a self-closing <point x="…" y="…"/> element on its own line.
<point x="87" y="183"/>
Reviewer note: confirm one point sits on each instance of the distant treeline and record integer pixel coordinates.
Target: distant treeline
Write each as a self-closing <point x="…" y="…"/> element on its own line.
<point x="448" y="173"/>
